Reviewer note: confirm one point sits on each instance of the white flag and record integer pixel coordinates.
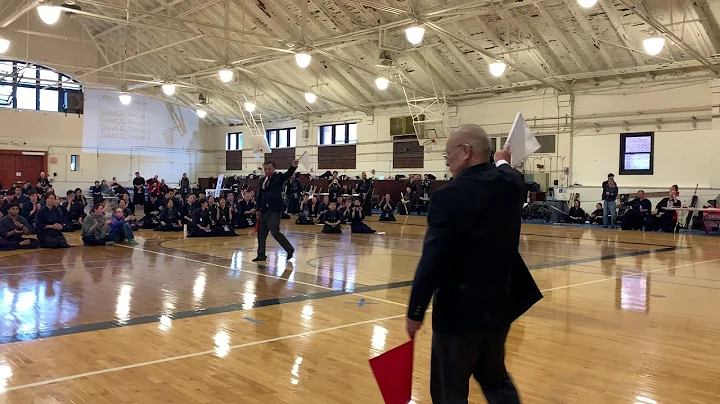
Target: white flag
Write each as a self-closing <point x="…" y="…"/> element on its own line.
<point x="305" y="160"/>
<point x="521" y="140"/>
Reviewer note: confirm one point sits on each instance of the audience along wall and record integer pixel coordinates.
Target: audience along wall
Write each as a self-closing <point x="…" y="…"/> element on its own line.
<point x="112" y="140"/>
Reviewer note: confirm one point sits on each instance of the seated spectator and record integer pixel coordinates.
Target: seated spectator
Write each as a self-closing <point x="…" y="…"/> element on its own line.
<point x="120" y="229"/>
<point x="80" y="197"/>
<point x="130" y="218"/>
<point x="636" y="215"/>
<point x="356" y="219"/>
<point x="201" y="225"/>
<point x="50" y="220"/>
<point x="30" y="209"/>
<point x="246" y="212"/>
<point x="597" y="216"/>
<point x="170" y="219"/>
<point x="96" y="228"/>
<point x="305" y="211"/>
<point x="97" y="194"/>
<point x="153" y="206"/>
<point x="212" y="208"/>
<point x="386" y="209"/>
<point x="8" y="200"/>
<point x="74" y="211"/>
<point x="104" y="188"/>
<point x="12" y="228"/>
<point x="345" y="209"/>
<point x="332" y="220"/>
<point x="128" y="202"/>
<point x="576" y="214"/>
<point x="27" y="187"/>
<point x="407" y="202"/>
<point x="19" y="196"/>
<point x="322" y="208"/>
<point x="223" y="220"/>
<point x="662" y="219"/>
<point x="188" y="208"/>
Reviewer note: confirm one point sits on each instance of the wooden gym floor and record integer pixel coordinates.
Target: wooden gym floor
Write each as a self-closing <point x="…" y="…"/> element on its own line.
<point x="627" y="318"/>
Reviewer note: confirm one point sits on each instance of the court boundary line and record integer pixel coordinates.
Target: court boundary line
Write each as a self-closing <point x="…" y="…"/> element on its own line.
<point x="286" y="337"/>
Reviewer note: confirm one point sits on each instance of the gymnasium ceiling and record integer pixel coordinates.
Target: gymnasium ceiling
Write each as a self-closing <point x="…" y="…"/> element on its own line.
<point x="546" y="44"/>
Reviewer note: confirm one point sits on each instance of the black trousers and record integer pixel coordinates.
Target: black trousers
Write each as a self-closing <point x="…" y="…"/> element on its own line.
<point x="270" y="223"/>
<point x="92" y="240"/>
<point x="457" y="357"/>
<point x="633" y="220"/>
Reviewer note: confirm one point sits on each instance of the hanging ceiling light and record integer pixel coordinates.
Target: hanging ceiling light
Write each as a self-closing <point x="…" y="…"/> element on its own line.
<point x="225" y="75"/>
<point x="125" y="98"/>
<point x="382" y="83"/>
<point x="497" y="69"/>
<point x="49" y="14"/>
<point x="249" y="107"/>
<point x="310" y="97"/>
<point x="4" y="44"/>
<point x="303" y="59"/>
<point x="587" y="3"/>
<point x="415" y="34"/>
<point x="168" y="89"/>
<point x="654" y="45"/>
<point x="201" y="113"/>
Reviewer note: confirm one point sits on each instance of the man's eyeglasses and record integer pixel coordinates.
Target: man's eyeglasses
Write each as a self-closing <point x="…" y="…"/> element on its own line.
<point x="447" y="154"/>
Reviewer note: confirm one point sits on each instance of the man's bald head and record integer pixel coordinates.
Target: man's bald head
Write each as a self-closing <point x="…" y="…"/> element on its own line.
<point x="476" y="137"/>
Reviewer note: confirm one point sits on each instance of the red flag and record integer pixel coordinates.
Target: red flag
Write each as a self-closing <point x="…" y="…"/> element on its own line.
<point x="257" y="225"/>
<point x="393" y="372"/>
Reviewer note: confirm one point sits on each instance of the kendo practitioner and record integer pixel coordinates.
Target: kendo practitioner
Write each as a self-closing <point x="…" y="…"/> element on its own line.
<point x="43" y="182"/>
<point x="634" y="218"/>
<point x="6" y="202"/>
<point x="201" y="225"/>
<point x="293" y="191"/>
<point x="425" y="186"/>
<point x="184" y="186"/>
<point x="223" y="220"/>
<point x="188" y="208"/>
<point x="212" y="208"/>
<point x="235" y="186"/>
<point x="332" y="220"/>
<point x="233" y="208"/>
<point x="138" y="190"/>
<point x="19" y="196"/>
<point x="152" y="210"/>
<point x="314" y="205"/>
<point x="364" y="188"/>
<point x="246" y="212"/>
<point x="408" y="202"/>
<point x="576" y="214"/>
<point x="170" y="219"/>
<point x="96" y="228"/>
<point x="386" y="209"/>
<point x="305" y="215"/>
<point x="12" y="228"/>
<point x="356" y="219"/>
<point x="74" y="213"/>
<point x="323" y="207"/>
<point x="80" y="197"/>
<point x="597" y="216"/>
<point x="97" y="194"/>
<point x="50" y="220"/>
<point x="660" y="218"/>
<point x="334" y="189"/>
<point x="30" y="210"/>
<point x="163" y="187"/>
<point x="344" y="209"/>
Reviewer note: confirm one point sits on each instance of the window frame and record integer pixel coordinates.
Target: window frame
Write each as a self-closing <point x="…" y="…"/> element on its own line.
<point x="289" y="140"/>
<point x="333" y="134"/>
<point x="238" y="141"/>
<point x="39" y="84"/>
<point x="74" y="162"/>
<point x="623" y="142"/>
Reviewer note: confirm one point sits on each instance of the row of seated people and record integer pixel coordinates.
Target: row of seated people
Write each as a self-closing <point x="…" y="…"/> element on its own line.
<point x="638" y="213"/>
<point x="332" y="218"/>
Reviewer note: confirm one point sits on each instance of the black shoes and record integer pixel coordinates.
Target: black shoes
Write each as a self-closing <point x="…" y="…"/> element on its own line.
<point x="260" y="258"/>
<point x="290" y="254"/>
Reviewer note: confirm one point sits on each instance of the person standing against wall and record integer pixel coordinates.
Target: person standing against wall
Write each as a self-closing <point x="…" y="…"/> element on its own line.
<point x="609" y="198"/>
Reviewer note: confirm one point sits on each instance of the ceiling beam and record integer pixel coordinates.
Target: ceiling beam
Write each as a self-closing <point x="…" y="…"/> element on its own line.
<point x="708" y="22"/>
<point x="538" y="48"/>
<point x="462" y="60"/>
<point x="650" y="20"/>
<point x="19" y="12"/>
<point x="616" y="22"/>
<point x="552" y="25"/>
<point x="585" y="25"/>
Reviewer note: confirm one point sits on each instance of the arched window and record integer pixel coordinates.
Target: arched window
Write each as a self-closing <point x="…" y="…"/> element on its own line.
<point x="28" y="86"/>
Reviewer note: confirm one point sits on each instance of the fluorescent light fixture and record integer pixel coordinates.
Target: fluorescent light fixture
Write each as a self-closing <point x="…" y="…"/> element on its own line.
<point x="168" y="89"/>
<point x="125" y="98"/>
<point x="654" y="45"/>
<point x="382" y="83"/>
<point x="415" y="34"/>
<point x="225" y="75"/>
<point x="310" y="97"/>
<point x="4" y="44"/>
<point x="587" y="3"/>
<point x="303" y="59"/>
<point x="49" y="14"/>
<point x="31" y="153"/>
<point x="497" y="69"/>
<point x="201" y="113"/>
<point x="249" y="107"/>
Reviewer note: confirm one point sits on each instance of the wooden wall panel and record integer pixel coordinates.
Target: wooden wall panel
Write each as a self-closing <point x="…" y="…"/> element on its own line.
<point x="282" y="158"/>
<point x="337" y="157"/>
<point x="408" y="153"/>
<point x="233" y="159"/>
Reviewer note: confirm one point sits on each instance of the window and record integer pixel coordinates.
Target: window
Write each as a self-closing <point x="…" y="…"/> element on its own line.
<point x="74" y="160"/>
<point x="27" y="86"/>
<point x="341" y="133"/>
<point x="234" y="141"/>
<point x="636" y="153"/>
<point x="280" y="138"/>
<point x="403" y="125"/>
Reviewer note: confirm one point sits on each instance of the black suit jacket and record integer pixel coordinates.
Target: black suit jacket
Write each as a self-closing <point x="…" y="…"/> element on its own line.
<point x="270" y="199"/>
<point x="470" y="259"/>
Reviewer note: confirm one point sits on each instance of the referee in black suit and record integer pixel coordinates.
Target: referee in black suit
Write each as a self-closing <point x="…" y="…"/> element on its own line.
<point x="270" y="208"/>
<point x="471" y="264"/>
